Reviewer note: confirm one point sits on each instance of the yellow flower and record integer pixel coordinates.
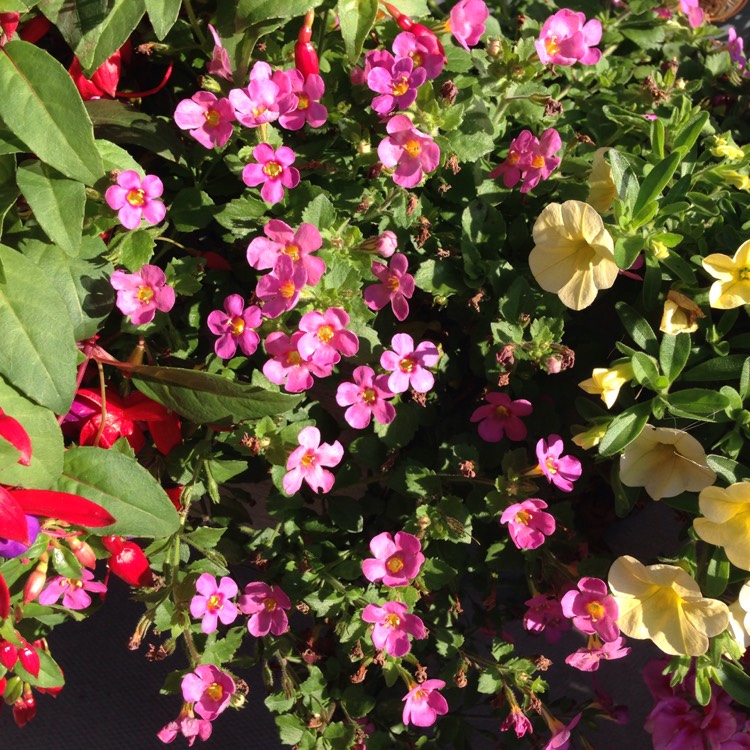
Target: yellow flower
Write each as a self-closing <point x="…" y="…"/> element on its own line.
<point x="724" y="149"/>
<point x="664" y="603"/>
<point x="737" y="179"/>
<point x="659" y="250"/>
<point x="574" y="254"/>
<point x="588" y="439"/>
<point x="733" y="286"/>
<point x="602" y="190"/>
<point x="680" y="314"/>
<point x="665" y="462"/>
<point x="739" y="618"/>
<point x="607" y="383"/>
<point x="726" y="521"/>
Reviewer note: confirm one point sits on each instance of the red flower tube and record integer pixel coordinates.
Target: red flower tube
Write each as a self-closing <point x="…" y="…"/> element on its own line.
<point x="305" y="55"/>
<point x="12" y="431"/>
<point x="425" y="35"/>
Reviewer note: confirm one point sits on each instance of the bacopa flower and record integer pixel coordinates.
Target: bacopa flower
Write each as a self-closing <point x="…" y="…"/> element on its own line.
<point x="219" y="64"/>
<point x="309" y="90"/>
<point x="279" y="290"/>
<point x="213" y="602"/>
<point x="588" y="659"/>
<point x="528" y="524"/>
<point x="560" y="470"/>
<point x="422" y="53"/>
<point x="736" y="47"/>
<point x="408" y="365"/>
<point x="397" y="560"/>
<point x="501" y="416"/>
<point x="396" y="83"/>
<point x="287" y="367"/>
<point x="566" y="38"/>
<point x="592" y="609"/>
<point x="545" y="615"/>
<point x="207" y="118"/>
<point x="141" y="294"/>
<point x="273" y="170"/>
<point x="307" y="462"/>
<point x="561" y="733"/>
<point x="423" y="704"/>
<point x="325" y="336"/>
<point x="234" y="326"/>
<point x="518" y="721"/>
<point x="693" y="11"/>
<point x="466" y="22"/>
<point x="134" y="199"/>
<point x="366" y="398"/>
<point x="74" y="591"/>
<point x="268" y="95"/>
<point x="187" y="726"/>
<point x="732" y="287"/>
<point x="411" y="151"/>
<point x="209" y="689"/>
<point x="265" y="605"/>
<point x="396" y="286"/>
<point x="393" y="626"/>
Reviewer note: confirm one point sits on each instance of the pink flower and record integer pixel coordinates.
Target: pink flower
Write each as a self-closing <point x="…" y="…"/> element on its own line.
<point x="273" y="169"/>
<point x="384" y="244"/>
<point x="307" y="462"/>
<point x="561" y="738"/>
<point x="518" y="721"/>
<point x="309" y="110"/>
<point x="376" y="58"/>
<point x="213" y="603"/>
<point x="396" y="562"/>
<point x="326" y="337"/>
<point x="280" y="289"/>
<point x="587" y="659"/>
<point x="234" y="326"/>
<point x="424" y="54"/>
<point x="736" y="45"/>
<point x="545" y="615"/>
<point x="411" y="151"/>
<point x="393" y="626"/>
<point x="408" y="365"/>
<point x="530" y="159"/>
<point x="219" y="64"/>
<point x="592" y="609"/>
<point x="501" y="416"/>
<point x="396" y="83"/>
<point x="396" y="286"/>
<point x="134" y="199"/>
<point x="208" y="688"/>
<point x="142" y="293"/>
<point x="208" y="119"/>
<point x="566" y="38"/>
<point x="266" y="606"/>
<point x="424" y="704"/>
<point x="186" y="725"/>
<point x="365" y="398"/>
<point x="528" y="524"/>
<point x="519" y="158"/>
<point x="560" y="470"/>
<point x="72" y="590"/>
<point x="467" y="19"/>
<point x="268" y="96"/>
<point x="694" y="12"/>
<point x="287" y="367"/>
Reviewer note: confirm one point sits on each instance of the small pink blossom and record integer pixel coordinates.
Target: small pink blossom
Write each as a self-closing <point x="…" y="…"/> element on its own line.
<point x="273" y="170"/>
<point x="529" y="158"/>
<point x="287" y="367"/>
<point x="366" y="398"/>
<point x="219" y="64"/>
<point x="518" y="721"/>
<point x="735" y="45"/>
<point x="396" y="83"/>
<point x="424" y="54"/>
<point x="393" y="626"/>
<point x="545" y="615"/>
<point x="467" y="19"/>
<point x="592" y="609"/>
<point x="519" y="157"/>
<point x="567" y="38"/>
<point x="396" y="286"/>
<point x="280" y="289"/>
<point x="408" y="366"/>
<point x="502" y="416"/>
<point x="187" y="726"/>
<point x="142" y="293"/>
<point x="207" y="118"/>
<point x="213" y="603"/>
<point x="268" y="95"/>
<point x="423" y="704"/>
<point x="208" y="688"/>
<point x="266" y="606"/>
<point x="307" y="462"/>
<point x="561" y="738"/>
<point x="560" y="470"/>
<point x="72" y="590"/>
<point x="309" y="110"/>
<point x="385" y="244"/>
<point x="234" y="326"/>
<point x="411" y="151"/>
<point x="396" y="561"/>
<point x="134" y="199"/>
<point x="326" y="337"/>
<point x="693" y="11"/>
<point x="376" y="58"/>
<point x="528" y="524"/>
<point x="588" y="659"/>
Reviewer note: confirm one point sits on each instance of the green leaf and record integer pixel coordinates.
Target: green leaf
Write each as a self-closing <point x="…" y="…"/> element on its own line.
<point x="625" y="428"/>
<point x="689" y="134"/>
<point x="720" y="369"/>
<point x="134" y="249"/>
<point x="320" y="212"/>
<point x="735" y="681"/>
<point x="50" y="675"/>
<point x="730" y="471"/>
<point x="638" y="328"/>
<point x="656" y="181"/>
<point x="717" y="574"/>
<point x="191" y="209"/>
<point x="256" y="11"/>
<point x="163" y="15"/>
<point x="291" y="728"/>
<point x="356" y="18"/>
<point x="645" y="370"/>
<point x="116" y="157"/>
<point x="626" y="183"/>
<point x="8" y="187"/>
<point x="54" y="125"/>
<point x="745" y="380"/>
<point x="673" y="354"/>
<point x="626" y="251"/>
<point x="697" y="403"/>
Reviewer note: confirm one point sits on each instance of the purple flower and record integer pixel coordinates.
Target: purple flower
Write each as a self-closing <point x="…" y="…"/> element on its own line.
<point x="234" y="326"/>
<point x="518" y="721"/>
<point x="9" y="548"/>
<point x="501" y="416"/>
<point x="396" y="286"/>
<point x="467" y="19"/>
<point x="266" y="606"/>
<point x="366" y="398"/>
<point x="326" y="337"/>
<point x="423" y="704"/>
<point x="208" y="119"/>
<point x="273" y="170"/>
<point x="73" y="590"/>
<point x="134" y="199"/>
<point x="280" y="289"/>
<point x="142" y="293"/>
<point x="396" y="561"/>
<point x="393" y="626"/>
<point x="694" y="12"/>
<point x="423" y="55"/>
<point x="287" y="367"/>
<point x="408" y="365"/>
<point x="566" y="38"/>
<point x="545" y="615"/>
<point x="212" y="603"/>
<point x="588" y="659"/>
<point x="208" y="688"/>
<point x="309" y="109"/>
<point x="411" y="151"/>
<point x="592" y="609"/>
<point x="397" y="85"/>
<point x="736" y="45"/>
<point x="307" y="462"/>
<point x="528" y="524"/>
<point x="560" y="470"/>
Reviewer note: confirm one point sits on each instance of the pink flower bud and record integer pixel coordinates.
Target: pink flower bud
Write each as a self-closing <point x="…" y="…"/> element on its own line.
<point x="35" y="582"/>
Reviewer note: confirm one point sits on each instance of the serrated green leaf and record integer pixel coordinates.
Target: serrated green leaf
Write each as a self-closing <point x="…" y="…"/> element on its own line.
<point x="134" y="249"/>
<point x="625" y="428"/>
<point x="356" y="18"/>
<point x="320" y="212"/>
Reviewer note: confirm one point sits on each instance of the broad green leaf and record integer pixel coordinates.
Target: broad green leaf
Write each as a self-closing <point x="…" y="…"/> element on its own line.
<point x="626" y="183"/>
<point x="626" y="251"/>
<point x="162" y="14"/>
<point x="116" y="157"/>
<point x="717" y="369"/>
<point x="191" y="209"/>
<point x="645" y="370"/>
<point x="697" y="403"/>
<point x="745" y="380"/>
<point x="689" y="134"/>
<point x="656" y="181"/>
<point x="637" y="327"/>
<point x="356" y="18"/>
<point x="50" y="675"/>
<point x="735" y="682"/>
<point x="8" y="188"/>
<point x="673" y="354"/>
<point x="657" y="138"/>
<point x="320" y="212"/>
<point x="256" y="11"/>
<point x="717" y="574"/>
<point x="133" y="249"/>
<point x="625" y="428"/>
<point x="730" y="471"/>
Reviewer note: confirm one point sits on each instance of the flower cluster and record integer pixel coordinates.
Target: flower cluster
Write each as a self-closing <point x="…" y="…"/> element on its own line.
<point x="530" y="159"/>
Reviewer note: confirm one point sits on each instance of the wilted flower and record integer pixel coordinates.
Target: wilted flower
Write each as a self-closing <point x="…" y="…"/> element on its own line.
<point x="518" y="721"/>
<point x="208" y="118"/>
<point x="209" y="689"/>
<point x="466" y="22"/>
<point x="212" y="602"/>
<point x="307" y="462"/>
<point x="411" y="151"/>
<point x="407" y="364"/>
<point x="607" y="382"/>
<point x="396" y="286"/>
<point x="366" y="398"/>
<point x="273" y="170"/>
<point x="602" y="190"/>
<point x="234" y="326"/>
<point x="396" y="561"/>
<point x="732" y="289"/>
<point x="726" y="150"/>
<point x="142" y="293"/>
<point x="588" y="659"/>
<point x="680" y="315"/>
<point x="726" y="521"/>
<point x="265" y="605"/>
<point x="560" y="470"/>
<point x="592" y="609"/>
<point x="501" y="416"/>
<point x="219" y="64"/>
<point x="566" y="38"/>
<point x="72" y="590"/>
<point x="528" y="524"/>
<point x="134" y="199"/>
<point x="424" y="704"/>
<point x="393" y="626"/>
<point x="186" y="725"/>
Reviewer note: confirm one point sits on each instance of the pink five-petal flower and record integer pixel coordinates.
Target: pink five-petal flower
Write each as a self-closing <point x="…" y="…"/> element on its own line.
<point x="393" y="626"/>
<point x="519" y="157"/>
<point x="501" y="416"/>
<point x="592" y="609"/>
<point x="234" y="326"/>
<point x="208" y="688"/>
<point x="543" y="160"/>
<point x="326" y="337"/>
<point x="566" y="38"/>
<point x="219" y="64"/>
<point x="528" y="524"/>
<point x="280" y="289"/>
<point x="588" y="659"/>
<point x="186" y="725"/>
<point x="309" y="110"/>
<point x="213" y="603"/>
<point x="208" y="118"/>
<point x="735" y="45"/>
<point x="366" y="398"/>
<point x="407" y="365"/>
<point x="693" y="11"/>
<point x="396" y="286"/>
<point x="396" y="561"/>
<point x="545" y="615"/>
<point x="377" y="58"/>
<point x="134" y="199"/>
<point x="287" y="367"/>
<point x="307" y="462"/>
<point x="467" y="19"/>
<point x="266" y="606"/>
<point x="273" y="170"/>
<point x="561" y="738"/>
<point x="411" y="151"/>
<point x="423" y="704"/>
<point x="142" y="293"/>
<point x="397" y="87"/>
<point x="518" y="721"/>
<point x="423" y="55"/>
<point x="560" y="470"/>
<point x="72" y="590"/>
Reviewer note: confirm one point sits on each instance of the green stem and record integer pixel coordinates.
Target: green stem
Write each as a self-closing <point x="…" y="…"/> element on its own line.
<point x="197" y="30"/>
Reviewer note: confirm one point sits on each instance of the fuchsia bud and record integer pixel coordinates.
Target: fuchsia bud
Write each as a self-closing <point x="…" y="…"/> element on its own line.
<point x="305" y="55"/>
<point x="8" y="654"/>
<point x="423" y="34"/>
<point x="24" y="709"/>
<point x="128" y="561"/>
<point x="83" y="552"/>
<point x="29" y="659"/>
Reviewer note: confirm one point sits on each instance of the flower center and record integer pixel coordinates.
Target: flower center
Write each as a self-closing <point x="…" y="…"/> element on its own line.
<point x="325" y="333"/>
<point x="145" y="294"/>
<point x="413" y="148"/>
<point x="394" y="564"/>
<point x="369" y="396"/>
<point x="293" y="358"/>
<point x="392" y="620"/>
<point x="74" y="583"/>
<point x="420" y="695"/>
<point x="537" y="162"/>
<point x="215" y="691"/>
<point x="392" y="283"/>
<point x="287" y="289"/>
<point x="269" y="604"/>
<point x="238" y="325"/>
<point x="513" y="157"/>
<point x="551" y="465"/>
<point x="523" y="517"/>
<point x="406" y="365"/>
<point x="308" y="459"/>
<point x="292" y="251"/>
<point x="743" y="274"/>
<point x="213" y="118"/>
<point x="136" y="197"/>
<point x="303" y="101"/>
<point x="501" y="411"/>
<point x="259" y="110"/>
<point x="550" y="45"/>
<point x="214" y="602"/>
<point x="400" y="86"/>
<point x="596" y="610"/>
<point x="272" y="169"/>
<point x="417" y="58"/>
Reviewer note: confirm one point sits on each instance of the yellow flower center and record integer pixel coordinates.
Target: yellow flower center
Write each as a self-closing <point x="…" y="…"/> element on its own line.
<point x="293" y="358"/>
<point x="523" y="517"/>
<point x="392" y="283"/>
<point x="269" y="604"/>
<point x="596" y="610"/>
<point x="501" y="411"/>
<point x="551" y="465"/>
<point x="413" y="148"/>
<point x="213" y="118"/>
<point x="743" y="274"/>
<point x="214" y="602"/>
<point x="287" y="289"/>
<point x="74" y="583"/>
<point x="392" y="620"/>
<point x="308" y="459"/>
<point x="400" y="87"/>
<point x="420" y="695"/>
<point x="238" y="325"/>
<point x="292" y="251"/>
<point x="325" y="333"/>
<point x="394" y="564"/>
<point x="537" y="162"/>
<point x="215" y="691"/>
<point x="369" y="396"/>
<point x="417" y="58"/>
<point x="258" y="111"/>
<point x="550" y="45"/>
<point x="272" y="169"/>
<point x="136" y="197"/>
<point x="406" y="365"/>
<point x="145" y="294"/>
<point x="513" y="157"/>
<point x="303" y="101"/>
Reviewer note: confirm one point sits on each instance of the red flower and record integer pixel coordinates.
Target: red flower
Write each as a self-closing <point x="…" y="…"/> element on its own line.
<point x="305" y="55"/>
<point x="12" y="431"/>
<point x="128" y="561"/>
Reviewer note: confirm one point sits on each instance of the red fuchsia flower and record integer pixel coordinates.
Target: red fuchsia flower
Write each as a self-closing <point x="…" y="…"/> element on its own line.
<point x="187" y="726"/>
<point x="545" y="615"/>
<point x="423" y="55"/>
<point x="308" y="90"/>
<point x="423" y="704"/>
<point x="8" y="24"/>
<point x="24" y="709"/>
<point x="305" y="54"/>
<point x="5" y="598"/>
<point x="397" y="84"/>
<point x="8" y="654"/>
<point x="326" y="337"/>
<point x="10" y="548"/>
<point x="592" y="609"/>
<point x="266" y="606"/>
<point x="307" y="462"/>
<point x="567" y="38"/>
<point x="104" y="80"/>
<point x="501" y="416"/>
<point x="396" y="286"/>
<point x="588" y="659"/>
<point x="213" y="603"/>
<point x="407" y="365"/>
<point x="273" y="170"/>
<point x="518" y="721"/>
<point x="385" y="244"/>
<point x="411" y="151"/>
<point x="528" y="524"/>
<point x="142" y="293"/>
<point x="234" y="326"/>
<point x="72" y="590"/>
<point x="219" y="64"/>
<point x="396" y="561"/>
<point x="560" y="470"/>
<point x="128" y="561"/>
<point x="366" y="398"/>
<point x="466" y="22"/>
<point x="393" y="626"/>
<point x="693" y="11"/>
<point x="208" y="118"/>
<point x="13" y="431"/>
<point x="209" y="689"/>
<point x="279" y="290"/>
<point x="281" y="239"/>
<point x="287" y="367"/>
<point x="135" y="199"/>
<point x="561" y="737"/>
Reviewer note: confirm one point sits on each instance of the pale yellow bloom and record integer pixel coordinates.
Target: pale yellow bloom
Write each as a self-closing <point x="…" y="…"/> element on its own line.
<point x="574" y="254"/>
<point x="739" y="617"/>
<point x="737" y="179"/>
<point x="680" y="314"/>
<point x="733" y="286"/>
<point x="607" y="383"/>
<point x="659" y="250"/>
<point x="665" y="462"/>
<point x="602" y="190"/>
<point x="588" y="439"/>
<point x="665" y="604"/>
<point x="725" y="150"/>
<point x="726" y="521"/>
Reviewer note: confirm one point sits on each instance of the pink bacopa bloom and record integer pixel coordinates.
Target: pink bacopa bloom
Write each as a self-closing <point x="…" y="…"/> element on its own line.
<point x="561" y="737"/>
<point x="560" y="470"/>
<point x="142" y="293"/>
<point x="466" y="22"/>
<point x="213" y="603"/>
<point x="266" y="606"/>
<point x="209" y="689"/>
<point x="593" y="609"/>
<point x="545" y="615"/>
<point x="501" y="416"/>
<point x="187" y="726"/>
<point x="517" y="721"/>
<point x="736" y="45"/>
<point x="397" y="85"/>
<point x="528" y="524"/>
<point x="567" y="38"/>
<point x="366" y="398"/>
<point x="409" y="150"/>
<point x="134" y="199"/>
<point x="307" y="462"/>
<point x="287" y="367"/>
<point x="518" y="159"/>
<point x="207" y="118"/>
<point x="396" y="560"/>
<point x="693" y="11"/>
<point x="326" y="337"/>
<point x="408" y="366"/>
<point x="74" y="591"/>
<point x="393" y="626"/>
<point x="273" y="170"/>
<point x="234" y="326"/>
<point x="588" y="659"/>
<point x="424" y="55"/>
<point x="423" y="704"/>
<point x="219" y="64"/>
<point x="373" y="59"/>
<point x="268" y="95"/>
<point x="530" y="159"/>
<point x="385" y="244"/>
<point x="396" y="286"/>
<point x="309" y="110"/>
<point x="279" y="290"/>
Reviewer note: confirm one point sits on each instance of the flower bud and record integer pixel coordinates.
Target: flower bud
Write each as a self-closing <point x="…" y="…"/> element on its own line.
<point x="385" y="244"/>
<point x="305" y="55"/>
<point x="35" y="582"/>
<point x="24" y="709"/>
<point x="8" y="654"/>
<point x="13" y="689"/>
<point x="83" y="552"/>
<point x="131" y="565"/>
<point x="4" y="598"/>
<point x="659" y="250"/>
<point x="29" y="659"/>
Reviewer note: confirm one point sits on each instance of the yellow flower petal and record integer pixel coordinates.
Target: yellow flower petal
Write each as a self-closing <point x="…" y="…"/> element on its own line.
<point x="726" y="521"/>
<point x="602" y="188"/>
<point x="733" y="286"/>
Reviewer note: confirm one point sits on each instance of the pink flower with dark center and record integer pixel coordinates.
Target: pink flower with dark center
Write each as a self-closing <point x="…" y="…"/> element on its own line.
<point x="560" y="470"/>
<point x="219" y="64"/>
<point x="408" y="365"/>
<point x="326" y="337"/>
<point x="545" y="615"/>
<point x="423" y="704"/>
<point x="134" y="199"/>
<point x="567" y="38"/>
<point x="393" y="626"/>
<point x="518" y="160"/>
<point x="411" y="151"/>
<point x="280" y="289"/>
<point x="273" y="170"/>
<point x="208" y="118"/>
<point x="72" y="590"/>
<point x="307" y="462"/>
<point x="501" y="416"/>
<point x="266" y="606"/>
<point x="693" y="11"/>
<point x="518" y="721"/>
<point x="187" y="726"/>
<point x="213" y="603"/>
<point x="397" y="85"/>
<point x="588" y="659"/>
<point x="396" y="286"/>
<point x="543" y="160"/>
<point x="396" y="561"/>
<point x="466" y="23"/>
<point x="528" y="524"/>
<point x="422" y="53"/>
<point x="287" y="367"/>
<point x="142" y="293"/>
<point x="209" y="689"/>
<point x="592" y="609"/>
<point x="234" y="326"/>
<point x="366" y="398"/>
<point x="384" y="244"/>
<point x="309" y="110"/>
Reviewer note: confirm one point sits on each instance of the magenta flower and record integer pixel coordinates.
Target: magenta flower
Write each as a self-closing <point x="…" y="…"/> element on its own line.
<point x="326" y="337"/>
<point x="501" y="416"/>
<point x="424" y="704"/>
<point x="266" y="606"/>
<point x="422" y="54"/>
<point x="134" y="199"/>
<point x="208" y="118"/>
<point x="396" y="561"/>
<point x="518" y="160"/>
<point x="567" y="38"/>
<point x="208" y="688"/>
<point x="219" y="64"/>
<point x="212" y="603"/>
<point x="561" y="738"/>
<point x="377" y="58"/>
<point x="72" y="590"/>
<point x="287" y="367"/>
<point x="587" y="659"/>
<point x="518" y="721"/>
<point x="560" y="470"/>
<point x="396" y="286"/>
<point x="411" y="151"/>
<point x="280" y="289"/>
<point x="467" y="19"/>
<point x="385" y="244"/>
<point x="142" y="293"/>
<point x="545" y="615"/>
<point x="397" y="85"/>
<point x="528" y="524"/>
<point x="408" y="365"/>
<point x="187" y="726"/>
<point x="693" y="11"/>
<point x="309" y="110"/>
<point x="234" y="326"/>
<point x="307" y="462"/>
<point x="543" y="160"/>
<point x="735" y="45"/>
<point x="592" y="609"/>
<point x="268" y="96"/>
<point x="393" y="626"/>
<point x="366" y="398"/>
<point x="273" y="170"/>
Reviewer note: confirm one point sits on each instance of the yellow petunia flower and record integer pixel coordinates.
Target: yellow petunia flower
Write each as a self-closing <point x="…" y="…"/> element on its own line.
<point x="733" y="286"/>
<point x="726" y="521"/>
<point x="602" y="190"/>
<point x="739" y="617"/>
<point x="737" y="179"/>
<point x="588" y="439"/>
<point x="607" y="383"/>
<point x="723" y="149"/>
<point x="680" y="314"/>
